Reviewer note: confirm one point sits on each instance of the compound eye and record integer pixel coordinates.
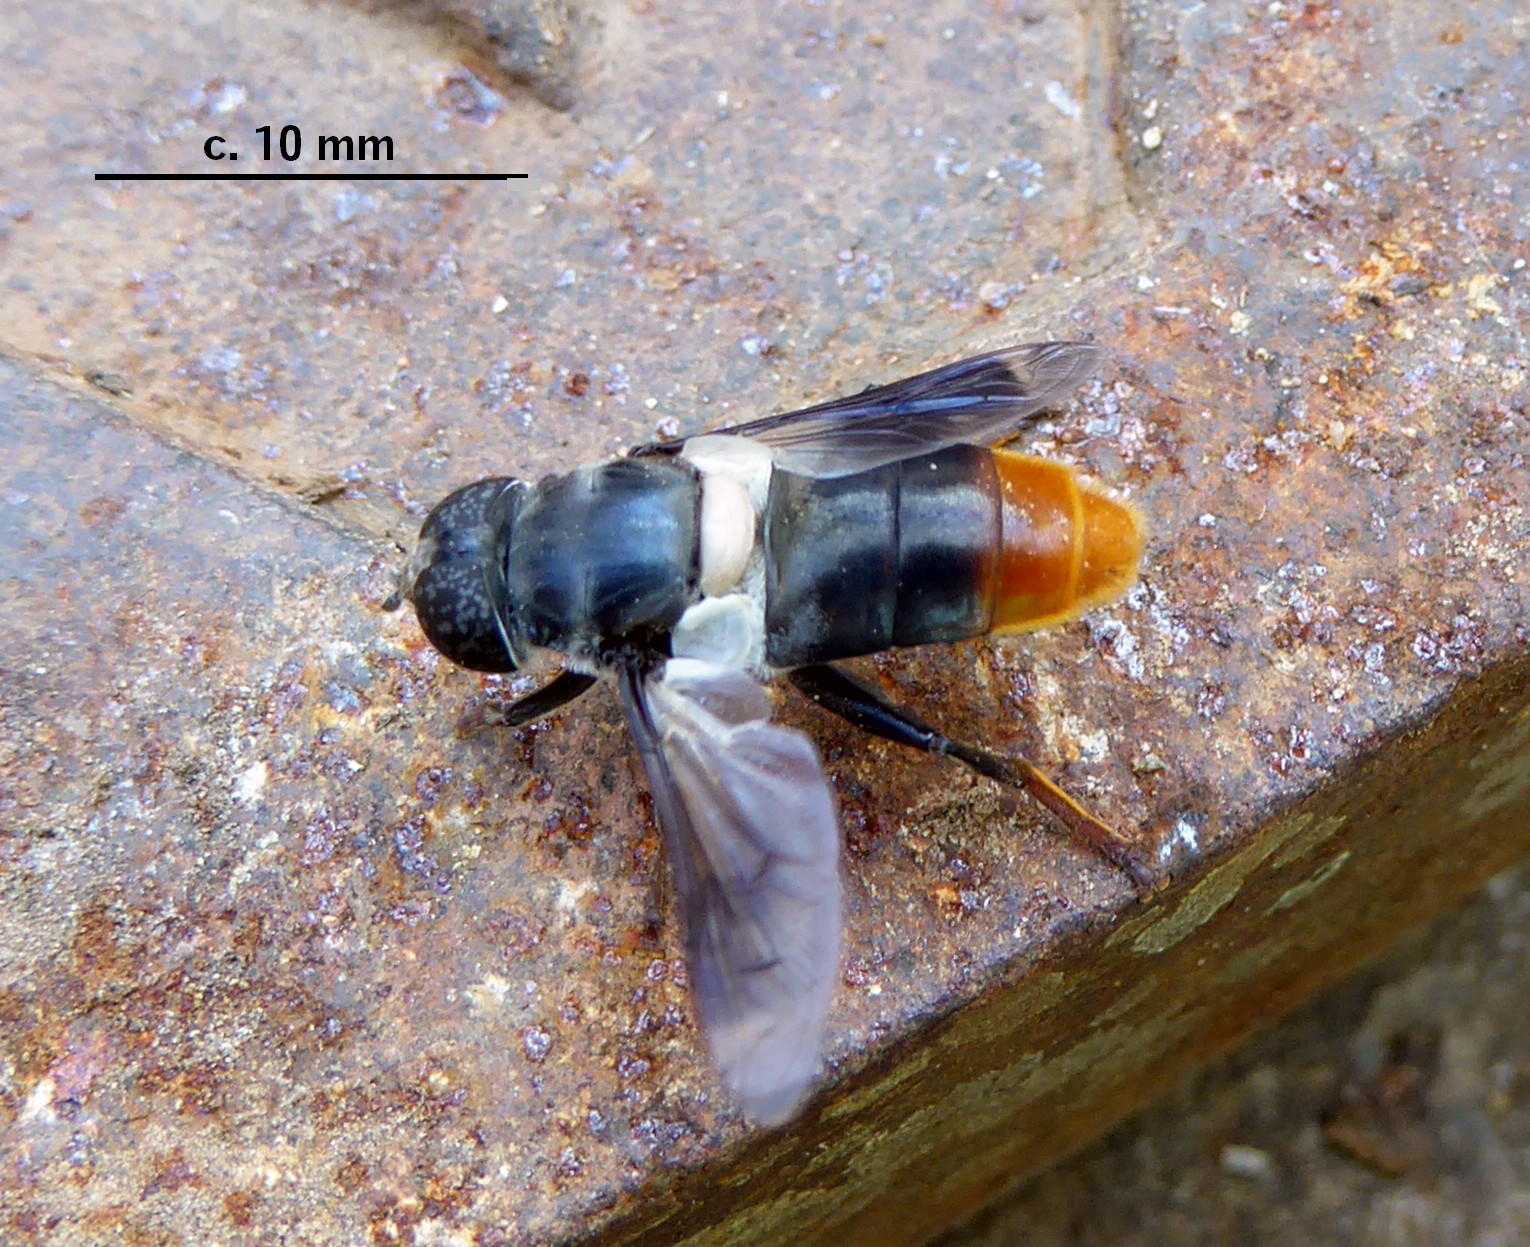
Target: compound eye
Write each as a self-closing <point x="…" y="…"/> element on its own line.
<point x="456" y="580"/>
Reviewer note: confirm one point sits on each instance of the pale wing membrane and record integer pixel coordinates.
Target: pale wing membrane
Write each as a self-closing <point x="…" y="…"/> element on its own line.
<point x="980" y="401"/>
<point x="749" y="828"/>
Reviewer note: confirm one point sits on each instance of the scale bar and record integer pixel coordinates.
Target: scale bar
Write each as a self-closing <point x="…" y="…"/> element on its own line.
<point x="309" y="177"/>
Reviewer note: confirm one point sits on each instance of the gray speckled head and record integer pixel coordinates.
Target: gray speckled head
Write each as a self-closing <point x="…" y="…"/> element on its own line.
<point x="456" y="576"/>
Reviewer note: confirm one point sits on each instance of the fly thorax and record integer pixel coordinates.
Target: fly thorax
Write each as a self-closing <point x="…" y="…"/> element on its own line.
<point x="605" y="555"/>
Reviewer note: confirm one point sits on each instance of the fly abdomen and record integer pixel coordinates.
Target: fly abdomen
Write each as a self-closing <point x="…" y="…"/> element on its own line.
<point x="937" y="547"/>
<point x="901" y="554"/>
<point x="1066" y="545"/>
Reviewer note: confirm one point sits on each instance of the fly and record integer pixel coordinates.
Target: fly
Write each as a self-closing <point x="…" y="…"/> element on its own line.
<point x="690" y="571"/>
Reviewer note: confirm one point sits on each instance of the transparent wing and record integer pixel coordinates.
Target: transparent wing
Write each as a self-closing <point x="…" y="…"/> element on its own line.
<point x="980" y="401"/>
<point x="749" y="828"/>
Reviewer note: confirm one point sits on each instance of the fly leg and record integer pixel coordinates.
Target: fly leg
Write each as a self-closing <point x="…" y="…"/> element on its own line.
<point x="554" y="695"/>
<point x="858" y="703"/>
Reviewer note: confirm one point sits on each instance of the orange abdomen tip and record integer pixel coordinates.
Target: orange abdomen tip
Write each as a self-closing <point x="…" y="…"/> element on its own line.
<point x="1065" y="546"/>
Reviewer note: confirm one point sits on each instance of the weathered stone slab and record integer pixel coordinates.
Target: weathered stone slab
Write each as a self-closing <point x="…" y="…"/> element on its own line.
<point x="284" y="954"/>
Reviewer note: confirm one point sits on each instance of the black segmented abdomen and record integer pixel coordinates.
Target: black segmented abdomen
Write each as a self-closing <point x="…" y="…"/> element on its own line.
<point x="902" y="554"/>
<point x="605" y="552"/>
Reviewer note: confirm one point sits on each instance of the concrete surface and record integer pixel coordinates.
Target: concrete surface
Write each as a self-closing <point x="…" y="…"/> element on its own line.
<point x="1392" y="1110"/>
<point x="285" y="954"/>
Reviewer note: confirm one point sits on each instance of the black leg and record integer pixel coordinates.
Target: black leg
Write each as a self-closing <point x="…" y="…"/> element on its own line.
<point x="553" y="695"/>
<point x="858" y="703"/>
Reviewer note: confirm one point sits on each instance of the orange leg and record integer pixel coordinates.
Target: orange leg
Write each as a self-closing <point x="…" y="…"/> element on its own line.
<point x="862" y="705"/>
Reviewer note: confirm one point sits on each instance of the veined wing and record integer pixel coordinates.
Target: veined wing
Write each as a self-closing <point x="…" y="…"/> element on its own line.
<point x="981" y="401"/>
<point x="750" y="831"/>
